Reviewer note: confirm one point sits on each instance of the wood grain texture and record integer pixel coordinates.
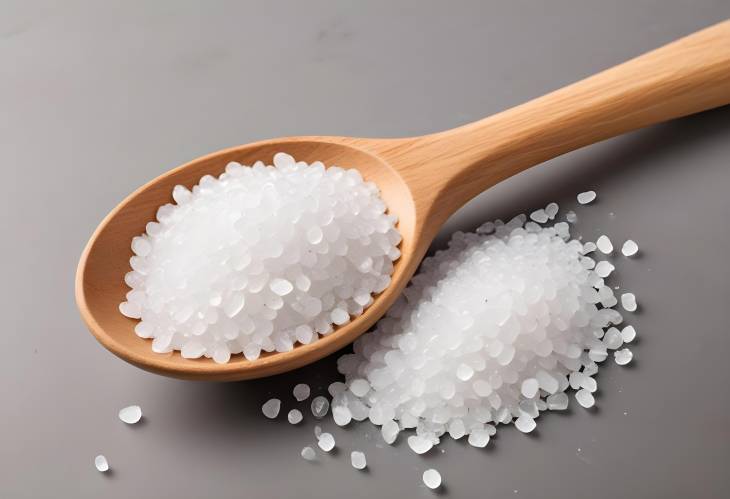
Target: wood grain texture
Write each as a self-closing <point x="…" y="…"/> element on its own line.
<point x="423" y="180"/>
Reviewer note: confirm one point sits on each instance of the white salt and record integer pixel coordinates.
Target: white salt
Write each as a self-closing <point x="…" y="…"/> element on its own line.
<point x="478" y="437"/>
<point x="131" y="414"/>
<point x="571" y="217"/>
<point x="301" y="392"/>
<point x="357" y="459"/>
<point x="628" y="334"/>
<point x="259" y="259"/>
<point x="326" y="442"/>
<point x="628" y="302"/>
<point x="623" y="357"/>
<point x="629" y="248"/>
<point x="551" y="210"/>
<point x="271" y="408"/>
<point x="604" y="244"/>
<point x="101" y="463"/>
<point x="295" y="416"/>
<point x="389" y="431"/>
<point x="432" y="478"/>
<point x="539" y="216"/>
<point x="320" y="406"/>
<point x="419" y="444"/>
<point x="586" y="197"/>
<point x="308" y="453"/>
<point x="604" y="268"/>
<point x="525" y="423"/>
<point x="585" y="398"/>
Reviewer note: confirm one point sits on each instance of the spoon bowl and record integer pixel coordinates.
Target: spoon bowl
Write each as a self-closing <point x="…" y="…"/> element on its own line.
<point x="422" y="180"/>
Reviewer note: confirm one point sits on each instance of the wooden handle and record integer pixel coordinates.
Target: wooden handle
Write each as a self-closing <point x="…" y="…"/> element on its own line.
<point x="684" y="77"/>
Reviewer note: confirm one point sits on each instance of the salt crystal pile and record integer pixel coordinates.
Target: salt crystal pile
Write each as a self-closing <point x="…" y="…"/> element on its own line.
<point x="492" y="330"/>
<point x="259" y="259"/>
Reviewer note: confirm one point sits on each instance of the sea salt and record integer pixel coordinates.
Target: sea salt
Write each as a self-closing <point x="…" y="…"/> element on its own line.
<point x="586" y="197"/>
<point x="604" y="244"/>
<point x="301" y="392"/>
<point x="326" y="442"/>
<point x="259" y="259"/>
<point x="131" y="414"/>
<point x="320" y="406"/>
<point x="101" y="463"/>
<point x="629" y="248"/>
<point x="271" y="408"/>
<point x="308" y="453"/>
<point x="295" y="416"/>
<point x="571" y="217"/>
<point x="432" y="478"/>
<point x="623" y="357"/>
<point x="628" y="302"/>
<point x="358" y="461"/>
<point x="628" y="334"/>
<point x="494" y="329"/>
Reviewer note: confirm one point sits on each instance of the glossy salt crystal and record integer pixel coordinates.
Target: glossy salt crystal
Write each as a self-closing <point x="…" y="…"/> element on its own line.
<point x="341" y="415"/>
<point x="308" y="453"/>
<point x="628" y="302"/>
<point x="585" y="398"/>
<point x="571" y="217"/>
<point x="629" y="248"/>
<point x="130" y="414"/>
<point x="628" y="334"/>
<point x="101" y="463"/>
<point x="419" y="445"/>
<point x="320" y="405"/>
<point x="357" y="459"/>
<point x="539" y="216"/>
<point x="432" y="478"/>
<point x="551" y="210"/>
<point x="586" y="197"/>
<point x="558" y="401"/>
<point x="271" y="408"/>
<point x="603" y="243"/>
<point x="478" y="438"/>
<point x="326" y="442"/>
<point x="623" y="357"/>
<point x="234" y="267"/>
<point x="389" y="431"/>
<point x="525" y="423"/>
<point x="301" y="392"/>
<point x="295" y="416"/>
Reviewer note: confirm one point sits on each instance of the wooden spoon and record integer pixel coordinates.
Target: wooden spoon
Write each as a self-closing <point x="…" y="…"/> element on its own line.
<point x="423" y="180"/>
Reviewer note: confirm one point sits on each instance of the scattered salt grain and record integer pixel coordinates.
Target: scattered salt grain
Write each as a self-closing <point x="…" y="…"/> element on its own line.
<point x="551" y="210"/>
<point x="585" y="398"/>
<point x="623" y="357"/>
<point x="525" y="423"/>
<point x="326" y="442"/>
<point x="628" y="334"/>
<point x="571" y="217"/>
<point x="432" y="479"/>
<point x="131" y="414"/>
<point x="604" y="268"/>
<point x="357" y="459"/>
<point x="101" y="463"/>
<point x="557" y="401"/>
<point x="629" y="248"/>
<point x="317" y="431"/>
<point x="589" y="247"/>
<point x="295" y="416"/>
<point x="320" y="406"/>
<point x="604" y="244"/>
<point x="586" y="197"/>
<point x="301" y="392"/>
<point x="308" y="453"/>
<point x="478" y="437"/>
<point x="628" y="302"/>
<point x="271" y="408"/>
<point x="539" y="216"/>
<point x="419" y="444"/>
<point x="259" y="259"/>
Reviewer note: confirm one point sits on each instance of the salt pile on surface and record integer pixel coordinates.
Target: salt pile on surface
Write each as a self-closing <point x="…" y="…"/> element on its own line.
<point x="492" y="330"/>
<point x="259" y="259"/>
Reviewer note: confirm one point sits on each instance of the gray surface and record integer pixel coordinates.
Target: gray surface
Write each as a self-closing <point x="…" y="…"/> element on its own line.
<point x="95" y="100"/>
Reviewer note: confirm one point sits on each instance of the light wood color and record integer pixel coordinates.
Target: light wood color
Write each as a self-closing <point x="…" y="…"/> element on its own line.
<point x="423" y="180"/>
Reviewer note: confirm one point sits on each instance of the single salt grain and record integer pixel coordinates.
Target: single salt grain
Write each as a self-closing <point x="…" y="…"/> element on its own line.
<point x="320" y="406"/>
<point x="628" y="334"/>
<point x="604" y="268"/>
<point x="432" y="479"/>
<point x="360" y="387"/>
<point x="357" y="459"/>
<point x="623" y="357"/>
<point x="551" y="210"/>
<point x="419" y="444"/>
<point x="604" y="244"/>
<point x="478" y="438"/>
<point x="271" y="408"/>
<point x="525" y="423"/>
<point x="131" y="414"/>
<point x="295" y="416"/>
<point x="628" y="302"/>
<point x="101" y="463"/>
<point x="589" y="247"/>
<point x="585" y="398"/>
<point x="389" y="431"/>
<point x="629" y="248"/>
<point x="586" y="197"/>
<point x="326" y="442"/>
<point x="301" y="392"/>
<point x="539" y="216"/>
<point x="557" y="401"/>
<point x="308" y="453"/>
<point x="530" y="387"/>
<point x="571" y="217"/>
<point x="341" y="415"/>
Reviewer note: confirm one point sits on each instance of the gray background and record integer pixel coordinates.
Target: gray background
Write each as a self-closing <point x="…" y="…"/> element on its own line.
<point x="97" y="98"/>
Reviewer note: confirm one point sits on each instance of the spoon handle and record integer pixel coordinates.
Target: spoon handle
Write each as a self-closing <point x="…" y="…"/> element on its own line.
<point x="684" y="77"/>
